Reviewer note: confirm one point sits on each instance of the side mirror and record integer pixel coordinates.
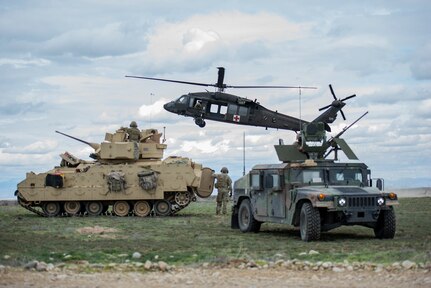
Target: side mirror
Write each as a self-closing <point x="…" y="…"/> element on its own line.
<point x="380" y="184"/>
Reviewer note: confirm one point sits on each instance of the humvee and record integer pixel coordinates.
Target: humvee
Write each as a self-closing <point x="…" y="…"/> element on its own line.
<point x="311" y="192"/>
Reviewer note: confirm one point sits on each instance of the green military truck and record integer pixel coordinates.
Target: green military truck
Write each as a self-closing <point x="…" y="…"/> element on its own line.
<point x="311" y="192"/>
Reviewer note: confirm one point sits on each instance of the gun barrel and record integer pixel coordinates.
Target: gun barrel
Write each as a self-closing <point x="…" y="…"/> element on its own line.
<point x="347" y="127"/>
<point x="95" y="146"/>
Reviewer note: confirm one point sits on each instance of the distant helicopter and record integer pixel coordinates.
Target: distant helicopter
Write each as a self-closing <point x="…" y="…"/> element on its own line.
<point x="228" y="108"/>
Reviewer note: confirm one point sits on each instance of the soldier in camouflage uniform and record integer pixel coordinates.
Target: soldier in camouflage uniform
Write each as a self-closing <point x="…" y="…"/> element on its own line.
<point x="224" y="186"/>
<point x="133" y="131"/>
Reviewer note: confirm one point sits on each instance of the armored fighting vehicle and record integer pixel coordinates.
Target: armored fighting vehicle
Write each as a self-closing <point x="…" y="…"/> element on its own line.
<point x="127" y="174"/>
<point x="310" y="191"/>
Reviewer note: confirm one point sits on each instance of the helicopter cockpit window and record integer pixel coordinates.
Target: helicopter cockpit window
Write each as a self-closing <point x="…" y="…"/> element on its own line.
<point x="182" y="100"/>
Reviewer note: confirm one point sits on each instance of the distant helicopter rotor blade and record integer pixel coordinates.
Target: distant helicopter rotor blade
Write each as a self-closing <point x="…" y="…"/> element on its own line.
<point x="348" y="97"/>
<point x="174" y="81"/>
<point x="332" y="92"/>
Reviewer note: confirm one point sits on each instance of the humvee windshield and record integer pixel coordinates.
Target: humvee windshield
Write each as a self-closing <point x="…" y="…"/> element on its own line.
<point x="308" y="176"/>
<point x="333" y="176"/>
<point x="345" y="176"/>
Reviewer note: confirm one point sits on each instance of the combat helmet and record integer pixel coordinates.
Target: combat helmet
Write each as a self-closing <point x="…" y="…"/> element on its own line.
<point x="224" y="170"/>
<point x="133" y="124"/>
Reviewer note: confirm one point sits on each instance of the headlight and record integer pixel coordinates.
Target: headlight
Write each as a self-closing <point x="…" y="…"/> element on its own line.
<point x="342" y="202"/>
<point x="380" y="201"/>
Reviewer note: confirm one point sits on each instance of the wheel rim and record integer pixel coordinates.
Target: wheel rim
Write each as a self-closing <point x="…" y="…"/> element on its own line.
<point x="121" y="208"/>
<point x="52" y="209"/>
<point x="182" y="198"/>
<point x="162" y="208"/>
<point x="142" y="208"/>
<point x="244" y="217"/>
<point x="72" y="207"/>
<point x="94" y="208"/>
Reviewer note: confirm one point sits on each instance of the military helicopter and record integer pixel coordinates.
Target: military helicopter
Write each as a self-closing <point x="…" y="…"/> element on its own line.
<point x="228" y="108"/>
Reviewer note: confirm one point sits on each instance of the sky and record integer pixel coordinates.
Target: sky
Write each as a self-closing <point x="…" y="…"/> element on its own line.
<point x="62" y="67"/>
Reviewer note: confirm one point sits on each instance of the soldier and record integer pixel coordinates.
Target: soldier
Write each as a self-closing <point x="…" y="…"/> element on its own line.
<point x="224" y="186"/>
<point x="133" y="131"/>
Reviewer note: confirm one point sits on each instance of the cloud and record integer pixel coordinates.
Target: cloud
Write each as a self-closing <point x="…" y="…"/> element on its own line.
<point x="20" y="108"/>
<point x="24" y="62"/>
<point x="110" y="39"/>
<point x="39" y="147"/>
<point x="203" y="39"/>
<point x="421" y="65"/>
<point x="152" y="110"/>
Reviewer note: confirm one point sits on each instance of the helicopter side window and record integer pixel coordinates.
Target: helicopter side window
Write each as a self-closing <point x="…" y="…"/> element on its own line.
<point x="242" y="111"/>
<point x="214" y="108"/>
<point x="218" y="109"/>
<point x="232" y="108"/>
<point x="223" y="109"/>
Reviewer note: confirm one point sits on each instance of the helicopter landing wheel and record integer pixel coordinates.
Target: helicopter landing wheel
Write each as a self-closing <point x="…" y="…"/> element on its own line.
<point x="200" y="122"/>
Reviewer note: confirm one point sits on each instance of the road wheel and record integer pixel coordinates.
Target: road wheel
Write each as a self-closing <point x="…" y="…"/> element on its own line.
<point x="142" y="208"/>
<point x="162" y="208"/>
<point x="309" y="223"/>
<point x="72" y="208"/>
<point x="51" y="209"/>
<point x="246" y="220"/>
<point x="94" y="208"/>
<point x="121" y="208"/>
<point x="386" y="225"/>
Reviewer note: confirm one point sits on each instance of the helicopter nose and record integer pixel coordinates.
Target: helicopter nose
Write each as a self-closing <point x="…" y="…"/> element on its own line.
<point x="169" y="106"/>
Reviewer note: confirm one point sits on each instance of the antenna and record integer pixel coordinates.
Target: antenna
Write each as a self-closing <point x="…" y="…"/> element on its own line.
<point x="164" y="134"/>
<point x="243" y="153"/>
<point x="300" y="108"/>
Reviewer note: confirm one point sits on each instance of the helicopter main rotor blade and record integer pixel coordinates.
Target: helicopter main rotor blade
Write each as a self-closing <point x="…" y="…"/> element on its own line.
<point x="174" y="81"/>
<point x="290" y="87"/>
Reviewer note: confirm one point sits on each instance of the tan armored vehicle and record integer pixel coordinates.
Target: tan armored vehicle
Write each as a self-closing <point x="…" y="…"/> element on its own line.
<point x="128" y="174"/>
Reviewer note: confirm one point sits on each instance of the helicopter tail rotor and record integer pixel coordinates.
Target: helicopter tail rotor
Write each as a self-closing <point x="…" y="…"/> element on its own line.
<point x="337" y="103"/>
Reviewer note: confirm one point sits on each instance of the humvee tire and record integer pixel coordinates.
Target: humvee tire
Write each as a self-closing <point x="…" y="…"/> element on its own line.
<point x="309" y="222"/>
<point x="386" y="225"/>
<point x="246" y="221"/>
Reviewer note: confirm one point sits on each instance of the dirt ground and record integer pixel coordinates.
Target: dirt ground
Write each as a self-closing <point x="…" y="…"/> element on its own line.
<point x="216" y="277"/>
